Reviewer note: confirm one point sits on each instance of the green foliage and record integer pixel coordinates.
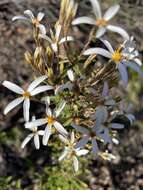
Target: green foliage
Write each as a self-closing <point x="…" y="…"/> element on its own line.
<point x="56" y="179"/>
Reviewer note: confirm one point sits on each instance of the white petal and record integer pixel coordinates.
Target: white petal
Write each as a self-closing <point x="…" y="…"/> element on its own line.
<point x="13" y="87"/>
<point x="29" y="14"/>
<point x="32" y="128"/>
<point x="60" y="128"/>
<point x="48" y="111"/>
<point x="115" y="141"/>
<point x="116" y="126"/>
<point x="64" y="154"/>
<point x="26" y="140"/>
<point x="58" y="31"/>
<point x="119" y="30"/>
<point x="46" y="38"/>
<point x="80" y="129"/>
<point x="47" y="100"/>
<point x="13" y="104"/>
<point x="40" y="16"/>
<point x="98" y="51"/>
<point x="123" y="73"/>
<point x="111" y="12"/>
<point x="63" y="139"/>
<point x="42" y="29"/>
<point x="60" y="108"/>
<point x="108" y="45"/>
<point x="41" y="89"/>
<point x="70" y="75"/>
<point x="84" y="20"/>
<point x="72" y="137"/>
<point x="37" y="123"/>
<point x="54" y="47"/>
<point x="33" y="118"/>
<point x="100" y="32"/>
<point x="75" y="163"/>
<point x="66" y="39"/>
<point x="26" y="107"/>
<point x="82" y="152"/>
<point x="82" y="142"/>
<point x="36" y="82"/>
<point x="96" y="8"/>
<point x="138" y="61"/>
<point x="19" y="18"/>
<point x="95" y="148"/>
<point x="47" y="134"/>
<point x="36" y="141"/>
<point x="41" y="132"/>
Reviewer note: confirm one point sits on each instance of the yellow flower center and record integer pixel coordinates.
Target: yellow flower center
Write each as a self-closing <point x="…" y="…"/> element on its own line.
<point x="26" y="94"/>
<point x="116" y="56"/>
<point x="35" y="22"/>
<point x="50" y="120"/>
<point x="101" y="22"/>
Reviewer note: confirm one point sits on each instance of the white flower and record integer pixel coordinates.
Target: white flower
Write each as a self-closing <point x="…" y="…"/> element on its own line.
<point x="25" y="95"/>
<point x="35" y="135"/>
<point x="29" y="16"/>
<point x="92" y="134"/>
<point x="51" y="121"/>
<point x="129" y="51"/>
<point x="118" y="57"/>
<point x="70" y="152"/>
<point x="55" y="39"/>
<point x="102" y="21"/>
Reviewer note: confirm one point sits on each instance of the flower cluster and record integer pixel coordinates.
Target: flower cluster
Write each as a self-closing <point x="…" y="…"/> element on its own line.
<point x="83" y="101"/>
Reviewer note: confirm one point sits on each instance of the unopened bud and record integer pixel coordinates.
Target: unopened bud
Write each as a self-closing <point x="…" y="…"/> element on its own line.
<point x="28" y="57"/>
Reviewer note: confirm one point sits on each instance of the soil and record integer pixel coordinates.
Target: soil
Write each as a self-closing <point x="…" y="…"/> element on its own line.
<point x="125" y="173"/>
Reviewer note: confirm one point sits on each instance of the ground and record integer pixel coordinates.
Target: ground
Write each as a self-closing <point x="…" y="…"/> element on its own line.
<point x="125" y="173"/>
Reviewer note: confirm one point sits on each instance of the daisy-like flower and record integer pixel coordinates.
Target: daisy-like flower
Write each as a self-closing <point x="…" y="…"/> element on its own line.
<point x="34" y="134"/>
<point x="25" y="95"/>
<point x="129" y="51"/>
<point x="70" y="152"/>
<point x="29" y="16"/>
<point x="117" y="56"/>
<point x="102" y="22"/>
<point x="92" y="134"/>
<point x="55" y="40"/>
<point x="51" y="121"/>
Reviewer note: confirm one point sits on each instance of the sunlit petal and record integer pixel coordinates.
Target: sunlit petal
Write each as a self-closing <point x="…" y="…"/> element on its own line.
<point x="13" y="104"/>
<point x="111" y="12"/>
<point x="36" y="82"/>
<point x="13" y="87"/>
<point x="84" y="20"/>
